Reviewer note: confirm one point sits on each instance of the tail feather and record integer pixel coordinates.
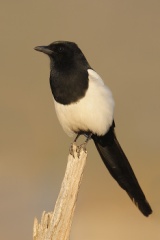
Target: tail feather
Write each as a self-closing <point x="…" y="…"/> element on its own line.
<point x="120" y="168"/>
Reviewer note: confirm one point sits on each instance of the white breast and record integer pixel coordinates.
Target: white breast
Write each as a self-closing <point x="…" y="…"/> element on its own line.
<point x="94" y="112"/>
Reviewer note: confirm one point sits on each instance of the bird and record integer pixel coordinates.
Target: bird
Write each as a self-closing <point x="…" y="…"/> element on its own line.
<point x="84" y="105"/>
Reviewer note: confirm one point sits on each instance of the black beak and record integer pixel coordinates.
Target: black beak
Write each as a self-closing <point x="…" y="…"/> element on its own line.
<point x="44" y="49"/>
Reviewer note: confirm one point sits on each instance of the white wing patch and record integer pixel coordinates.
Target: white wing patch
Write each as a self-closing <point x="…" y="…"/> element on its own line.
<point x="94" y="112"/>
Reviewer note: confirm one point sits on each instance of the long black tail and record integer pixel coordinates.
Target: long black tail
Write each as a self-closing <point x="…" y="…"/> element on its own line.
<point x="119" y="167"/>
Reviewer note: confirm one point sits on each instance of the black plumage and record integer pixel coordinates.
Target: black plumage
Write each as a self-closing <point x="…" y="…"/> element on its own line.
<point x="120" y="169"/>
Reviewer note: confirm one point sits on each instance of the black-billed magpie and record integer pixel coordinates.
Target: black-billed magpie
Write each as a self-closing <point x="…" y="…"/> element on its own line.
<point x="84" y="105"/>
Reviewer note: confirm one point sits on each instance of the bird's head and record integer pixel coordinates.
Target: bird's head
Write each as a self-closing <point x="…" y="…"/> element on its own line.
<point x="63" y="54"/>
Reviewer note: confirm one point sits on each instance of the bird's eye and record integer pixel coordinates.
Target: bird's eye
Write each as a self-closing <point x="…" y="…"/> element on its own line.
<point x="60" y="49"/>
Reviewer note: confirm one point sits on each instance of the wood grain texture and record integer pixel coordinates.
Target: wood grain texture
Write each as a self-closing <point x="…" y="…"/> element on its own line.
<point x="57" y="224"/>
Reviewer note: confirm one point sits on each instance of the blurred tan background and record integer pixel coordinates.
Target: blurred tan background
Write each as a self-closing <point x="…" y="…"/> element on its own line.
<point x="121" y="40"/>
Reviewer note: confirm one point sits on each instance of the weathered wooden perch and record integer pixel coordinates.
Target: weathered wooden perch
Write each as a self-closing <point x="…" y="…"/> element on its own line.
<point x="56" y="225"/>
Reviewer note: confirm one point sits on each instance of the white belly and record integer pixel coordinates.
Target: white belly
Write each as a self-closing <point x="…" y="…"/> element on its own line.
<point x="92" y="113"/>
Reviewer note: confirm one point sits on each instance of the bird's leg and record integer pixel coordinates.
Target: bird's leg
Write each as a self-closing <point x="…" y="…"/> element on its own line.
<point x="88" y="137"/>
<point x="74" y="142"/>
<point x="83" y="145"/>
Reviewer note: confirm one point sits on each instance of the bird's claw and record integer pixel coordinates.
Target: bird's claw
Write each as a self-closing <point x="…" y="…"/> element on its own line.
<point x="74" y="148"/>
<point x="71" y="149"/>
<point x="80" y="148"/>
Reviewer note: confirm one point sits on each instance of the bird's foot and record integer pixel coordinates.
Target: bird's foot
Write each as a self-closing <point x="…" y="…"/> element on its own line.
<point x="72" y="148"/>
<point x="77" y="149"/>
<point x="80" y="148"/>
